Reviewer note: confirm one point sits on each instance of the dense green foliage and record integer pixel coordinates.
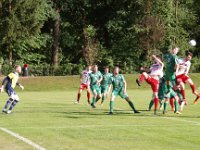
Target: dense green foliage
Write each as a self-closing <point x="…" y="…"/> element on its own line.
<point x="54" y="34"/>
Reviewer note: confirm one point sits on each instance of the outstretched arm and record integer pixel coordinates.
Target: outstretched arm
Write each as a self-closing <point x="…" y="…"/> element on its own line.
<point x="21" y="86"/>
<point x="6" y="79"/>
<point x="158" y="60"/>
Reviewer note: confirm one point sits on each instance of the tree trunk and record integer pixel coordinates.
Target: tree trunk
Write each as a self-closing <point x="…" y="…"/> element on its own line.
<point x="56" y="36"/>
<point x="10" y="53"/>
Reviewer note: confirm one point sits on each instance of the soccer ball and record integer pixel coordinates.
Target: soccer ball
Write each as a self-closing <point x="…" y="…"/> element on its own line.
<point x="192" y="42"/>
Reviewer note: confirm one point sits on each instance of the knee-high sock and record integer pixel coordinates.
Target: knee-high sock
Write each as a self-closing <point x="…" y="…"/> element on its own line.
<point x="93" y="101"/>
<point x="151" y="104"/>
<point x="78" y="96"/>
<point x="142" y="78"/>
<point x="88" y="96"/>
<point x="165" y="106"/>
<point x="8" y="103"/>
<point x="183" y="93"/>
<point x="103" y="98"/>
<point x="131" y="105"/>
<point x="176" y="105"/>
<point x="171" y="101"/>
<point x="111" y="106"/>
<point x="156" y="101"/>
<point x="193" y="88"/>
<point x="13" y="104"/>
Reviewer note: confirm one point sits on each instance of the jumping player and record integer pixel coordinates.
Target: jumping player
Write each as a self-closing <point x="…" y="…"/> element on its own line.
<point x="95" y="80"/>
<point x="119" y="88"/>
<point x="11" y="81"/>
<point x="85" y="83"/>
<point x="170" y="73"/>
<point x="155" y="73"/>
<point x="182" y="76"/>
<point x="104" y="83"/>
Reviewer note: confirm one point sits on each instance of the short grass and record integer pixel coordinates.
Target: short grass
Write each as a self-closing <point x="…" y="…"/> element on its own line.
<point x="47" y="116"/>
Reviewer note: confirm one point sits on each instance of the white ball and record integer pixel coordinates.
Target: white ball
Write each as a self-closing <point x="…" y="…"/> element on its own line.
<point x="192" y="42"/>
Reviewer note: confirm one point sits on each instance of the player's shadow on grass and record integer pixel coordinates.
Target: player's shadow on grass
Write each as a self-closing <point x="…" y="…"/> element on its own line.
<point x="92" y="114"/>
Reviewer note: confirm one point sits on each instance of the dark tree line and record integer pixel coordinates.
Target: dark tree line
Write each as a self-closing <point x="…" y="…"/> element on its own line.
<point x="73" y="33"/>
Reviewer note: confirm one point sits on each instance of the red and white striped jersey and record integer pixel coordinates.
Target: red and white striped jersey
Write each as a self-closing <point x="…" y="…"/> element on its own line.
<point x="184" y="66"/>
<point x="85" y="76"/>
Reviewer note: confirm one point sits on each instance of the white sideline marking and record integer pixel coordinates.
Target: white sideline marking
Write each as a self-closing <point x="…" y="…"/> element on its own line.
<point x="183" y="120"/>
<point x="36" y="146"/>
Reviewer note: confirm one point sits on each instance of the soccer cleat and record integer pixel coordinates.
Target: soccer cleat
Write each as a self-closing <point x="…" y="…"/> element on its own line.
<point x="76" y="102"/>
<point x="136" y="112"/>
<point x="4" y="110"/>
<point x="164" y="112"/>
<point x="9" y="111"/>
<point x="110" y="113"/>
<point x="177" y="112"/>
<point x="93" y="106"/>
<point x="138" y="82"/>
<point x="88" y="102"/>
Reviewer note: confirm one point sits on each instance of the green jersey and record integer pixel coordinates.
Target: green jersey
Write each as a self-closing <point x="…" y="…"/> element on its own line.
<point x="106" y="79"/>
<point x="117" y="81"/>
<point x="94" y="77"/>
<point x="171" y="62"/>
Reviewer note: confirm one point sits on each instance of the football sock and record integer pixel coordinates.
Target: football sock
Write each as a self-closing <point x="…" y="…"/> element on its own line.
<point x="183" y="93"/>
<point x="78" y="96"/>
<point x="151" y="104"/>
<point x="13" y="105"/>
<point x="176" y="105"/>
<point x="156" y="101"/>
<point x="165" y="106"/>
<point x="193" y="88"/>
<point x="103" y="98"/>
<point x="98" y="98"/>
<point x="93" y="101"/>
<point x="131" y="105"/>
<point x="171" y="101"/>
<point x="8" y="103"/>
<point x="88" y="96"/>
<point x="111" y="106"/>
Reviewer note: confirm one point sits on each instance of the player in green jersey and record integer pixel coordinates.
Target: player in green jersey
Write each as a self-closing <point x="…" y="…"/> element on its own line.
<point x="104" y="83"/>
<point x="95" y="80"/>
<point x="170" y="72"/>
<point x="119" y="88"/>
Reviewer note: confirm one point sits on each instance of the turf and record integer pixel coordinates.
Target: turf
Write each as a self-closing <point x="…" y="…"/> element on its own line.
<point x="47" y="116"/>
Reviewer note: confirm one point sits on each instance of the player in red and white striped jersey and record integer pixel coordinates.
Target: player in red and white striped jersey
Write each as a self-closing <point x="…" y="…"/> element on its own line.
<point x="85" y="83"/>
<point x="152" y="77"/>
<point x="182" y="76"/>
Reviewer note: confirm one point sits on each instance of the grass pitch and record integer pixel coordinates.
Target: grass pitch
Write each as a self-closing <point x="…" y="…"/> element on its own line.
<point x="46" y="115"/>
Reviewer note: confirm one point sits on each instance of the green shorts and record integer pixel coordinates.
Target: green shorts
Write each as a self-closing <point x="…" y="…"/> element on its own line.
<point x="120" y="93"/>
<point x="171" y="78"/>
<point x="171" y="94"/>
<point x="95" y="89"/>
<point x="104" y="89"/>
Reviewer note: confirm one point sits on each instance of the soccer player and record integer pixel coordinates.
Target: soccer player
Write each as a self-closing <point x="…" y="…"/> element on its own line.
<point x="85" y="83"/>
<point x="95" y="80"/>
<point x="119" y="88"/>
<point x="182" y="76"/>
<point x="104" y="83"/>
<point x="170" y="73"/>
<point x="11" y="81"/>
<point x="155" y="73"/>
